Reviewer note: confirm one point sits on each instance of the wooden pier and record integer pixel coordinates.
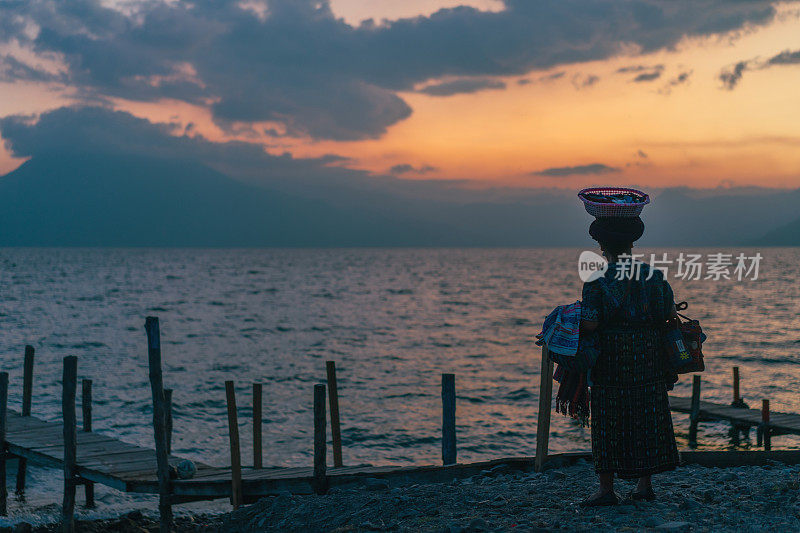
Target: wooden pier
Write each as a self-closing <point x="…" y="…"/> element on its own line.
<point x="88" y="458"/>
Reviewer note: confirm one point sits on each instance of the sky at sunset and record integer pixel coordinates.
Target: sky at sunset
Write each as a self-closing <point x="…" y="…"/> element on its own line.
<point x="533" y="94"/>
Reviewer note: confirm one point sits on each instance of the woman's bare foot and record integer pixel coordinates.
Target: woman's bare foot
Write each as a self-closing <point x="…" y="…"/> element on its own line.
<point x="601" y="498"/>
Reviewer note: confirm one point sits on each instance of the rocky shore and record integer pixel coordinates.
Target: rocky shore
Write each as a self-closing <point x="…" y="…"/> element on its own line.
<point x="691" y="499"/>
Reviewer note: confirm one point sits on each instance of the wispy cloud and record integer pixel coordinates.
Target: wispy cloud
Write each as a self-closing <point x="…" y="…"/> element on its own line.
<point x="787" y="57"/>
<point x="578" y="170"/>
<point x="680" y="79"/>
<point x="407" y="168"/>
<point x="554" y="76"/>
<point x="644" y="73"/>
<point x="731" y="76"/>
<point x="582" y="81"/>
<point x="647" y="76"/>
<point x="462" y="86"/>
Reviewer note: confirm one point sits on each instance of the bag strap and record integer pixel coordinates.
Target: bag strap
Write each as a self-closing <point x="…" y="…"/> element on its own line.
<point x="680" y="306"/>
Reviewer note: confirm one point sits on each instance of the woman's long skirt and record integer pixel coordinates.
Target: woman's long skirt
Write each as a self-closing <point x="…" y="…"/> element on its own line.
<point x="632" y="432"/>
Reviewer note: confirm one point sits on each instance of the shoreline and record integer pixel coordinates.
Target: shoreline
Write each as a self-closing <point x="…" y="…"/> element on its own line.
<point x="692" y="498"/>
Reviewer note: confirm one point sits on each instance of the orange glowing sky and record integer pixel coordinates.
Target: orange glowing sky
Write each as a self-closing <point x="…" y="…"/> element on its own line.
<point x="694" y="133"/>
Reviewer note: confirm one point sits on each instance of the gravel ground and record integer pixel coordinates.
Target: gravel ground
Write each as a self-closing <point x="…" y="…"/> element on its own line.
<point x="133" y="522"/>
<point x="692" y="498"/>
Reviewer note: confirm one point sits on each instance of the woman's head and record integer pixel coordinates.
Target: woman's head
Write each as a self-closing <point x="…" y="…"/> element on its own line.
<point x="616" y="234"/>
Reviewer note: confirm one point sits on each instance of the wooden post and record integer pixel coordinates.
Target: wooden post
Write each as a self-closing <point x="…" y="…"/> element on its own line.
<point x="449" y="450"/>
<point x="3" y="415"/>
<point x="694" y="415"/>
<point x="545" y="404"/>
<point x="159" y="422"/>
<point x="320" y="451"/>
<point x="765" y="424"/>
<point x="333" y="400"/>
<point x="736" y="398"/>
<point x="258" y="457"/>
<point x="86" y="407"/>
<point x="233" y="435"/>
<point x="69" y="387"/>
<point x="27" y="397"/>
<point x="86" y="404"/>
<point x="168" y="412"/>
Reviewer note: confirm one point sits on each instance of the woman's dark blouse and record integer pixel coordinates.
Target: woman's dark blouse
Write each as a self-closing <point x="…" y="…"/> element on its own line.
<point x="630" y="327"/>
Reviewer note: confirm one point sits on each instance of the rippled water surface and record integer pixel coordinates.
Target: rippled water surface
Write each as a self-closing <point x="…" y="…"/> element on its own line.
<point x="392" y="319"/>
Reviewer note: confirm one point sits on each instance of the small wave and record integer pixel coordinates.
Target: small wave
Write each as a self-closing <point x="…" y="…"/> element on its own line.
<point x="520" y="394"/>
<point x="96" y="298"/>
<point x="471" y="399"/>
<point x="88" y="344"/>
<point x="326" y="294"/>
<point x="407" y="395"/>
<point x="760" y="359"/>
<point x="400" y="291"/>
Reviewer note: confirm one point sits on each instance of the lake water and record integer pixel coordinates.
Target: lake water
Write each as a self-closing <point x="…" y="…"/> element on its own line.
<point x="392" y="319"/>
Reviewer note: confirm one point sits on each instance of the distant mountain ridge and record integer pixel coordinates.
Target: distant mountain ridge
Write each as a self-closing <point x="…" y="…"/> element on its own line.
<point x="127" y="200"/>
<point x="786" y="235"/>
<point x="135" y="201"/>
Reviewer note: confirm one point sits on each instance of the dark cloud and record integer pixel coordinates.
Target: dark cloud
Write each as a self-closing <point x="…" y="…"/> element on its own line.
<point x="683" y="77"/>
<point x="639" y="68"/>
<point x="680" y="79"/>
<point x="295" y="63"/>
<point x="553" y="76"/>
<point x="644" y="73"/>
<point x="787" y="57"/>
<point x="642" y="154"/>
<point x="581" y="81"/>
<point x="406" y="168"/>
<point x="647" y="76"/>
<point x="579" y="170"/>
<point x="12" y="69"/>
<point x="450" y="88"/>
<point x="732" y="75"/>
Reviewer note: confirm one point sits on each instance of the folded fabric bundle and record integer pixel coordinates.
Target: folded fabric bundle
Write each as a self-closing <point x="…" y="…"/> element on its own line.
<point x="574" y="355"/>
<point x="560" y="329"/>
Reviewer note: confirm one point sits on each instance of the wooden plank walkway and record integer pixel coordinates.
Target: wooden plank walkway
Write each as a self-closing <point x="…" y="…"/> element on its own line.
<point x="129" y="468"/>
<point x="786" y="423"/>
<point x="100" y="458"/>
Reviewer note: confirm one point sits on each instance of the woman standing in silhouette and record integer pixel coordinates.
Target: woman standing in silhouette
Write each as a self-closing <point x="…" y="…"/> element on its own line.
<point x="632" y="435"/>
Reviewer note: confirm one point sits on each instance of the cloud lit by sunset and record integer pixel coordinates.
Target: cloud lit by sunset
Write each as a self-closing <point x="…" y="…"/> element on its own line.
<point x="650" y="93"/>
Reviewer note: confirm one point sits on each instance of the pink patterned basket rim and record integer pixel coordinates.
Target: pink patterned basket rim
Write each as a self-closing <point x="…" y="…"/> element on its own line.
<point x="616" y="190"/>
